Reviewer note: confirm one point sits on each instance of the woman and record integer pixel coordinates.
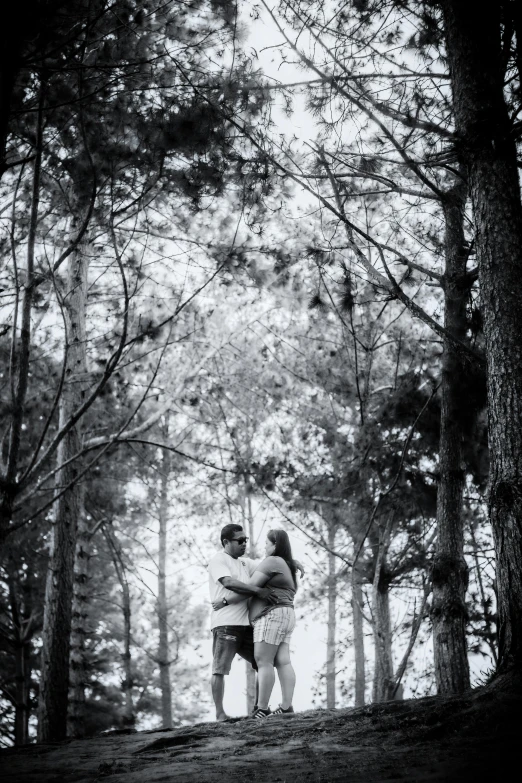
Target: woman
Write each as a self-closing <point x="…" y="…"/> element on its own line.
<point x="273" y="621"/>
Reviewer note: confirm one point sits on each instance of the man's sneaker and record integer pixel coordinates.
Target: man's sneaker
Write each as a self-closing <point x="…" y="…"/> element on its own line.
<point x="260" y="714"/>
<point x="281" y="711"/>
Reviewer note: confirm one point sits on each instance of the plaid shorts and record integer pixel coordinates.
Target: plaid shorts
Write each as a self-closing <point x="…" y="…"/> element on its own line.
<point x="276" y="626"/>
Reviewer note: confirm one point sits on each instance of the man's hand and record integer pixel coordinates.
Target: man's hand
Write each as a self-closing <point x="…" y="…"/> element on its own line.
<point x="267" y="594"/>
<point x="217" y="605"/>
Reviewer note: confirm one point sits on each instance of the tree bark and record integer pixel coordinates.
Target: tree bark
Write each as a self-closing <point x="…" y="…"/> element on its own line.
<point x="248" y="516"/>
<point x="129" y="719"/>
<point x="383" y="680"/>
<point x="127" y="682"/>
<point x="450" y="571"/>
<point x="79" y="630"/>
<point x="11" y="48"/>
<point x="22" y="689"/>
<point x="358" y="639"/>
<point x="332" y="600"/>
<point x="162" y="609"/>
<point x="22" y="643"/>
<point x="52" y="708"/>
<point x="484" y="132"/>
<point x="19" y="365"/>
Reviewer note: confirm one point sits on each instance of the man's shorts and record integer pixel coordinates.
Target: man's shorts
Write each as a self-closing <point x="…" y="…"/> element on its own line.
<point x="229" y="640"/>
<point x="276" y="626"/>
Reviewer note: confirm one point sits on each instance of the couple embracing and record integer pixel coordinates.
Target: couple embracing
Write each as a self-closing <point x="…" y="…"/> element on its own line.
<point x="253" y="616"/>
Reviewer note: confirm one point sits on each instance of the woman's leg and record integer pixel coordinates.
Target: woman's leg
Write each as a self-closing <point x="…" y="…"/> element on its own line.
<point x="264" y="654"/>
<point x="286" y="674"/>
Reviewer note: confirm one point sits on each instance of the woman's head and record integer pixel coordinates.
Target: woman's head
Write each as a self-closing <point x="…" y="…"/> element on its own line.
<point x="278" y="545"/>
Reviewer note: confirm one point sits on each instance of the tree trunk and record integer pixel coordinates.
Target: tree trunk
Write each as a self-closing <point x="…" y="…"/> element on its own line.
<point x="485" y="134"/>
<point x="358" y="639"/>
<point x="26" y="706"/>
<point x="52" y="708"/>
<point x="248" y="516"/>
<point x="22" y="643"/>
<point x="163" y="647"/>
<point x="450" y="571"/>
<point x="79" y="630"/>
<point x="332" y="598"/>
<point x="127" y="680"/>
<point x="19" y="363"/>
<point x="22" y="685"/>
<point x="10" y="61"/>
<point x="129" y="719"/>
<point x="383" y="680"/>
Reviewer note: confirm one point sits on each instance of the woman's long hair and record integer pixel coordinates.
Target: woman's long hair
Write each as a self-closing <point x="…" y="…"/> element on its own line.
<point x="284" y="550"/>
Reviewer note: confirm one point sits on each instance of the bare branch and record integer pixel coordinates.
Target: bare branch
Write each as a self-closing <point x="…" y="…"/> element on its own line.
<point x="27" y="304"/>
<point x="415" y="628"/>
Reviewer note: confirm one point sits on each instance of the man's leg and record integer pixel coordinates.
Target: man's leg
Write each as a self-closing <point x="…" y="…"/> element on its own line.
<point x="218" y="691"/>
<point x="227" y="640"/>
<point x="265" y="654"/>
<point x="286" y="674"/>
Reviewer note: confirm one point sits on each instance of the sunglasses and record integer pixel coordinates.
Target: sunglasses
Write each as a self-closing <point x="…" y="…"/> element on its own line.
<point x="241" y="540"/>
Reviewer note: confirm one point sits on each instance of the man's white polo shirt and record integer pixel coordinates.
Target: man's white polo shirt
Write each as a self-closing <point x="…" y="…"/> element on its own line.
<point x="223" y="565"/>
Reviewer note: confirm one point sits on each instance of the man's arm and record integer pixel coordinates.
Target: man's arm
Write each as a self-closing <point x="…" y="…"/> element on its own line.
<point x="233" y="599"/>
<point x="244" y="590"/>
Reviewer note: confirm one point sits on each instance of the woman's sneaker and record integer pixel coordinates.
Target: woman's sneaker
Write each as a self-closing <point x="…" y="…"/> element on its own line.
<point x="281" y="711"/>
<point x="260" y="714"/>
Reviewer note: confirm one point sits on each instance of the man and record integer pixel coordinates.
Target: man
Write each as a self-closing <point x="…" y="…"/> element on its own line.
<point x="228" y="573"/>
<point x="231" y="629"/>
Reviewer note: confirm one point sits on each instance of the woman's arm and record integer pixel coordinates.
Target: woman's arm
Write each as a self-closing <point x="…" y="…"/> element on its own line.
<point x="300" y="567"/>
<point x="259" y="578"/>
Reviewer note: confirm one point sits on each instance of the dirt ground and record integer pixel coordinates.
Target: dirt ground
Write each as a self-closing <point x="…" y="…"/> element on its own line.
<point x="474" y="737"/>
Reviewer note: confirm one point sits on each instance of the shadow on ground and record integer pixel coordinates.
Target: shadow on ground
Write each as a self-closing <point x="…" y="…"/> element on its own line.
<point x="473" y="737"/>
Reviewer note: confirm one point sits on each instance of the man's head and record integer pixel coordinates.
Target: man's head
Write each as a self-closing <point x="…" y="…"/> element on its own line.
<point x="233" y="540"/>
